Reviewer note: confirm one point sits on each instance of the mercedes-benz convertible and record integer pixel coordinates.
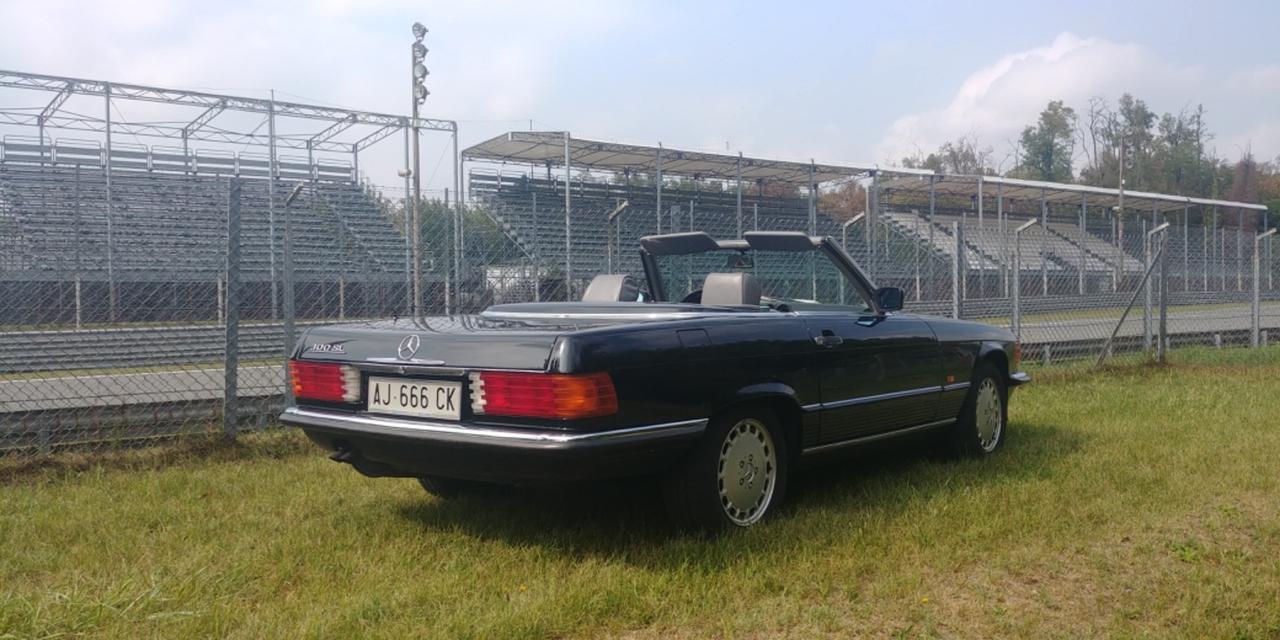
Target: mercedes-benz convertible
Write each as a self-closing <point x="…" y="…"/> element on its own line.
<point x="722" y="369"/>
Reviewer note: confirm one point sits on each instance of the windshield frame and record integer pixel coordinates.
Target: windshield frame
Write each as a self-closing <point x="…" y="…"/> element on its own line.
<point x="700" y="242"/>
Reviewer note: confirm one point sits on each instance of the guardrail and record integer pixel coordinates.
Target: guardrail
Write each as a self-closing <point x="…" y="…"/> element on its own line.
<point x="127" y="347"/>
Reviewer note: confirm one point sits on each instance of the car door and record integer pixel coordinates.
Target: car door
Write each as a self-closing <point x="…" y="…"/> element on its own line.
<point x="876" y="372"/>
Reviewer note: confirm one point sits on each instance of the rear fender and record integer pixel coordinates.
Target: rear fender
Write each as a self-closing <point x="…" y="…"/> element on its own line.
<point x="782" y="398"/>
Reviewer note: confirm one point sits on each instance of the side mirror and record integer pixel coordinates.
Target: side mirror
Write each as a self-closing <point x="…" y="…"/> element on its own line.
<point x="889" y="298"/>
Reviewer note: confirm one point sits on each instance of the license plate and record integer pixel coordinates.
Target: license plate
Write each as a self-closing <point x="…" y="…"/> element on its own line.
<point x="421" y="398"/>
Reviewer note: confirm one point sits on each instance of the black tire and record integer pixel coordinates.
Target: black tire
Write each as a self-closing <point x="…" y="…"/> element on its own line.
<point x="695" y="489"/>
<point x="973" y="434"/>
<point x="446" y="488"/>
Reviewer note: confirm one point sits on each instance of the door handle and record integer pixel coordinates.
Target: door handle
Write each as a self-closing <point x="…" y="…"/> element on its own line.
<point x="828" y="339"/>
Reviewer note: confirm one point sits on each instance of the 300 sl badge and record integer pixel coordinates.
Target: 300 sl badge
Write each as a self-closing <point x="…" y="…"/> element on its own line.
<point x="326" y="347"/>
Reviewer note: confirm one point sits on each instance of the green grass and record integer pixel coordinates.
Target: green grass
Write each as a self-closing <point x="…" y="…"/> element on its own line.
<point x="1138" y="502"/>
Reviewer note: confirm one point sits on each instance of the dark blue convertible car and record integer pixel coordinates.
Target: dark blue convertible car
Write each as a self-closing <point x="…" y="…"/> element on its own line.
<point x="728" y="365"/>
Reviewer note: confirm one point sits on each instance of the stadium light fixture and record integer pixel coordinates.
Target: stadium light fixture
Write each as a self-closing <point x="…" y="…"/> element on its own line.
<point x="420" y="93"/>
<point x="419" y="31"/>
<point x="419" y="51"/>
<point x="420" y="71"/>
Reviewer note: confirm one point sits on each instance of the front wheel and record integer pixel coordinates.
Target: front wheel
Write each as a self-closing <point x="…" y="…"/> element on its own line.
<point x="984" y="418"/>
<point x="734" y="477"/>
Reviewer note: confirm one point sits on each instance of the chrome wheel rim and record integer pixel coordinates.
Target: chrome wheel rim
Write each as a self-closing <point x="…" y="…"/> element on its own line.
<point x="988" y="415"/>
<point x="747" y="472"/>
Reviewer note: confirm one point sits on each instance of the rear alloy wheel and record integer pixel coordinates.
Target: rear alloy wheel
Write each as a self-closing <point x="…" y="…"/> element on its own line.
<point x="734" y="477"/>
<point x="984" y="417"/>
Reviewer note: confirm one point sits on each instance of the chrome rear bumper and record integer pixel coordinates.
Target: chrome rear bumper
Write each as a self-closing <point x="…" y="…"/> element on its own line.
<point x="460" y="434"/>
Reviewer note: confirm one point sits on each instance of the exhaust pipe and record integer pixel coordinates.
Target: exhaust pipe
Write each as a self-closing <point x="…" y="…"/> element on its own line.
<point x="366" y="467"/>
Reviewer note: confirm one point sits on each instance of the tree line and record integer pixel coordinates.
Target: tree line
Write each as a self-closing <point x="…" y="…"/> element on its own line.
<point x="1105" y="143"/>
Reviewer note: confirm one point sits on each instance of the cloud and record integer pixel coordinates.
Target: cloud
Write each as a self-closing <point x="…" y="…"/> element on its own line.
<point x="996" y="102"/>
<point x="491" y="61"/>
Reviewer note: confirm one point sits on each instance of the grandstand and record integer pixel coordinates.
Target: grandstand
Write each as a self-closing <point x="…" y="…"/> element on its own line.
<point x="167" y="224"/>
<point x="909" y="239"/>
<point x="531" y="212"/>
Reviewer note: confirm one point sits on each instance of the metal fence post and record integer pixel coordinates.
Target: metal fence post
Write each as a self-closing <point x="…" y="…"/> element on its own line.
<point x="1255" y="339"/>
<point x="844" y="242"/>
<point x="286" y="288"/>
<point x="955" y="271"/>
<point x="230" y="413"/>
<point x="568" y="235"/>
<point x="1146" y="289"/>
<point x="1017" y="276"/>
<point x="1162" y="336"/>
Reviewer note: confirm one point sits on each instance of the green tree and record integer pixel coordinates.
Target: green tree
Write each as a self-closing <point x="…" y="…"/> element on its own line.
<point x="1047" y="147"/>
<point x="962" y="156"/>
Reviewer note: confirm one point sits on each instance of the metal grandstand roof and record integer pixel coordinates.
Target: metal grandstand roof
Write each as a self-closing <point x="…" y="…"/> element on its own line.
<point x="372" y="126"/>
<point x="1054" y="192"/>
<point x="548" y="147"/>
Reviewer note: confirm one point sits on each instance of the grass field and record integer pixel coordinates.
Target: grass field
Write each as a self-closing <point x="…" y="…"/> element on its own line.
<point x="1139" y="502"/>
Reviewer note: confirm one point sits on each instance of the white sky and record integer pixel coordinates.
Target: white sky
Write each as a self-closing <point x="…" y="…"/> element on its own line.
<point x="794" y="80"/>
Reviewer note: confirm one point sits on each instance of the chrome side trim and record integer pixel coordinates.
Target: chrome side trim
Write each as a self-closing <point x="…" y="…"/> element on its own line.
<point x="495" y="435"/>
<point x="625" y="317"/>
<point x="876" y="436"/>
<point x="955" y="386"/>
<point x="893" y="395"/>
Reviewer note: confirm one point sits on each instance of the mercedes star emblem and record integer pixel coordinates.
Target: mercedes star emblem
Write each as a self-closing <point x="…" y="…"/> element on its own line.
<point x="408" y="347"/>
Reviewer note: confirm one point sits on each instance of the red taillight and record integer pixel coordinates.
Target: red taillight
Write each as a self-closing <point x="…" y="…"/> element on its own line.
<point x="325" y="381"/>
<point x="542" y="395"/>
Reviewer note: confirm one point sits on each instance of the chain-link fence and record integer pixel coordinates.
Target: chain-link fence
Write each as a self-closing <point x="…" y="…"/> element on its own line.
<point x="150" y="301"/>
<point x="147" y="302"/>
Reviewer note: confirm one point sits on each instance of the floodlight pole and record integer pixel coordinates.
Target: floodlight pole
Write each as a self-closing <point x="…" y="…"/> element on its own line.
<point x="1256" y="325"/>
<point x="416" y="174"/>
<point x="410" y="209"/>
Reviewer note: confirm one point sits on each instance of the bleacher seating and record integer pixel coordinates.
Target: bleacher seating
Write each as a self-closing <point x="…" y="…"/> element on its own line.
<point x="539" y="231"/>
<point x="987" y="247"/>
<point x="941" y="241"/>
<point x="168" y="215"/>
